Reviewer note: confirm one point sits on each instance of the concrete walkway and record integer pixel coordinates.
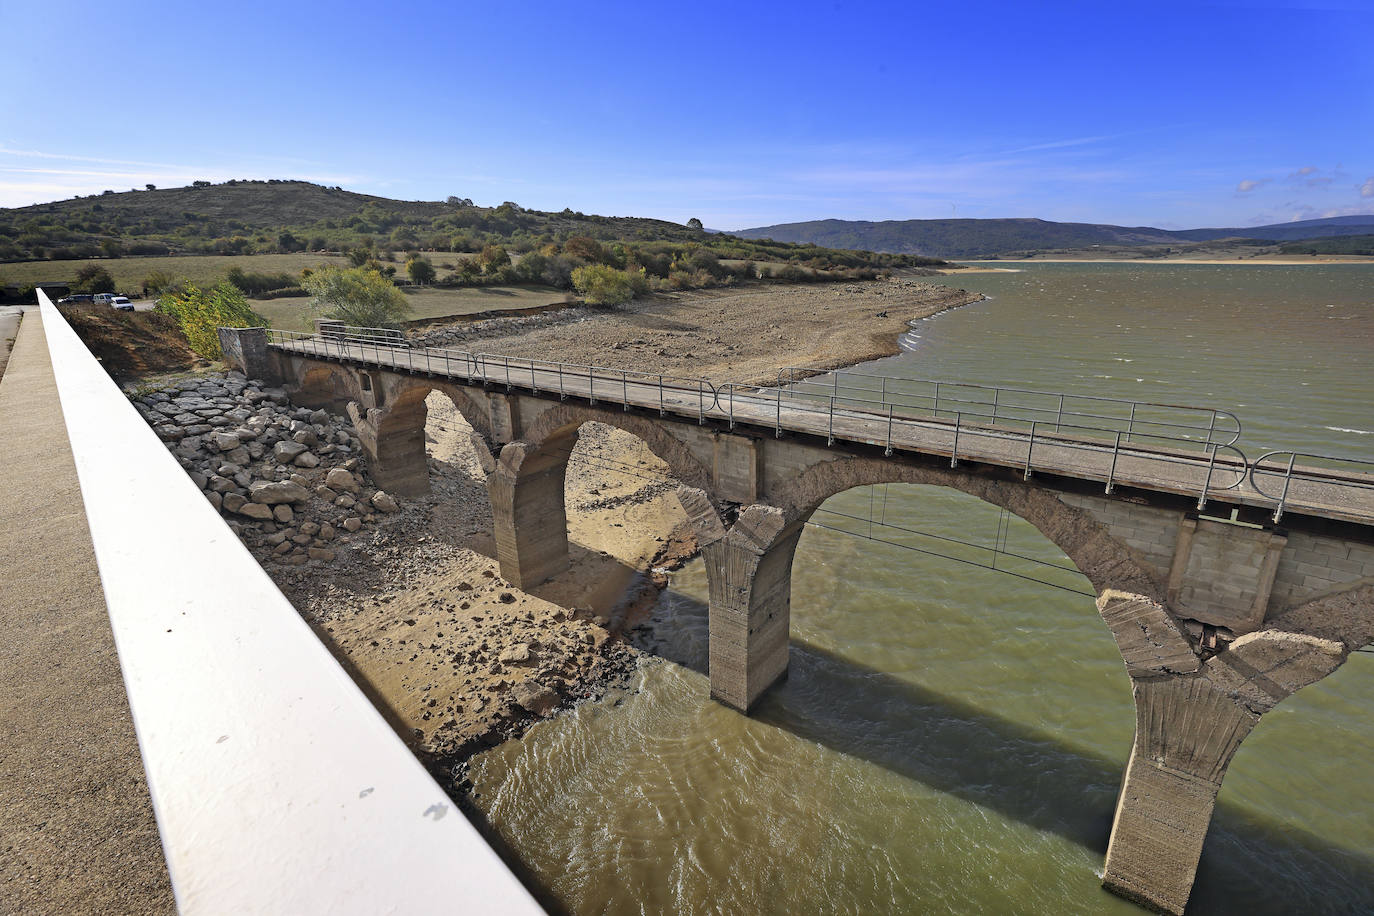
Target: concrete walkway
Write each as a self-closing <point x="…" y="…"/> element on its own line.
<point x="77" y="833"/>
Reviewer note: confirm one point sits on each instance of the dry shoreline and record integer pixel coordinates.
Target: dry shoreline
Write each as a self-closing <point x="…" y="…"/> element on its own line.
<point x="459" y="659"/>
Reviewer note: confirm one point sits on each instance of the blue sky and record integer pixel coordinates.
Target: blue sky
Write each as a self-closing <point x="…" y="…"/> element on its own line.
<point x="740" y="114"/>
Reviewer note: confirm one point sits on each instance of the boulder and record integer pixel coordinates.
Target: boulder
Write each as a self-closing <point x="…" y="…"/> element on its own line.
<point x="233" y="502"/>
<point x="384" y="502"/>
<point x="341" y="481"/>
<point x="535" y="697"/>
<point x="321" y="553"/>
<point x="282" y="512"/>
<point x="256" y="510"/>
<point x="272" y="493"/>
<point x="352" y="523"/>
<point x="306" y="460"/>
<point x="223" y="442"/>
<point x="220" y="484"/>
<point x="285" y="452"/>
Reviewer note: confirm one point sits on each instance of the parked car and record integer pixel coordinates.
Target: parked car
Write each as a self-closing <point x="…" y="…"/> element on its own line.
<point x="122" y="303"/>
<point x="75" y="299"/>
<point x="102" y="298"/>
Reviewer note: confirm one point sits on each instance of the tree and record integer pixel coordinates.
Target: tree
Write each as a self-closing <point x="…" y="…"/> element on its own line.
<point x="157" y="281"/>
<point x="357" y="296"/>
<point x="602" y="285"/>
<point x="202" y="312"/>
<point x="93" y="279"/>
<point x="151" y="187"/>
<point x="694" y="223"/>
<point x="493" y="258"/>
<point x="286" y="241"/>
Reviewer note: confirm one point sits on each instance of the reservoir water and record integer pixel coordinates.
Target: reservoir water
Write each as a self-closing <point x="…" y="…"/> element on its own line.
<point x="951" y="738"/>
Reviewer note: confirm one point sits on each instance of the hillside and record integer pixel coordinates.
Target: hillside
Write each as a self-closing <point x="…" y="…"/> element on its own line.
<point x="975" y="238"/>
<point x="260" y="217"/>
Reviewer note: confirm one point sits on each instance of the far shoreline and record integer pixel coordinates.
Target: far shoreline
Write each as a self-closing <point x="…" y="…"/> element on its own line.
<point x="980" y="265"/>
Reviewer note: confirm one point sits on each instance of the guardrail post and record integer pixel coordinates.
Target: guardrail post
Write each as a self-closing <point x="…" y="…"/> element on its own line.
<point x="830" y="433"/>
<point x="701" y="403"/>
<point x="625" y="388"/>
<point x="1030" y="447"/>
<point x="888" y="450"/>
<point x="1207" y="483"/>
<point x="662" y="411"/>
<point x="591" y="386"/>
<point x="1287" y="479"/>
<point x="777" y="430"/>
<point x="509" y="386"/>
<point x="996" y="393"/>
<point x="1059" y="417"/>
<point x="1111" y="475"/>
<point x="937" y="400"/>
<point x="1130" y="424"/>
<point x="562" y="395"/>
<point x="954" y="451"/>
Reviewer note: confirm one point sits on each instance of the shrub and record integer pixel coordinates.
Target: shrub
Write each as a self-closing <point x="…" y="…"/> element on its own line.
<point x="93" y="279"/>
<point x="420" y="270"/>
<point x="200" y="313"/>
<point x="357" y="296"/>
<point x="493" y="258"/>
<point x="602" y="285"/>
<point x="252" y="284"/>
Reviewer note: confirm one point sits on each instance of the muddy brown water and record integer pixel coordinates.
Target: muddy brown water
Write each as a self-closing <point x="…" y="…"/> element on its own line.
<point x="951" y="738"/>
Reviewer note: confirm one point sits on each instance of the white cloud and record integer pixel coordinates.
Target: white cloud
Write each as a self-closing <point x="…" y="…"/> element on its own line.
<point x="1249" y="185"/>
<point x="1367" y="189"/>
<point x="1304" y="171"/>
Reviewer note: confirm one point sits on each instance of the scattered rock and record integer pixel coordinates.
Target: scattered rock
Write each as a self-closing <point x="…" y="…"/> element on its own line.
<point x="384" y="502"/>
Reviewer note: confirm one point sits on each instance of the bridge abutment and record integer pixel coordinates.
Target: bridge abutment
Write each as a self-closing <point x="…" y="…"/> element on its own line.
<point x="530" y="519"/>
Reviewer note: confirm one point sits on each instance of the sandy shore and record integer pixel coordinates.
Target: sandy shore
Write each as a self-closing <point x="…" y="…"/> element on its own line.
<point x="458" y="658"/>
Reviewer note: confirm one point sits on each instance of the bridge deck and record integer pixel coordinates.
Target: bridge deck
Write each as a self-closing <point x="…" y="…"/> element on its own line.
<point x="1309" y="491"/>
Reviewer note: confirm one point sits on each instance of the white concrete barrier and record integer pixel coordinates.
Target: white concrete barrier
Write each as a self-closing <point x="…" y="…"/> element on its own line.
<point x="278" y="788"/>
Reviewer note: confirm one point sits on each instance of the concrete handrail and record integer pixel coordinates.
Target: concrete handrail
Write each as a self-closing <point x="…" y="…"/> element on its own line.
<point x="277" y="787"/>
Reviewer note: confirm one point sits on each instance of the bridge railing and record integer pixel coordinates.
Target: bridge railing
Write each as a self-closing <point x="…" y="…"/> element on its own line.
<point x="626" y="386"/>
<point x="1106" y="452"/>
<point x="654" y="390"/>
<point x="1278" y="476"/>
<point x="1137" y="421"/>
<point x="1114" y="439"/>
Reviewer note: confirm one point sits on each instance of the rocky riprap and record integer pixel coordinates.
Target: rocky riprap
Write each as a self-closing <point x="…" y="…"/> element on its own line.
<point x="288" y="480"/>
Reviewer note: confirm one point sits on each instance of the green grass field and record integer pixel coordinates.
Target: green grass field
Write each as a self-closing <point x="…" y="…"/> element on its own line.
<point x="295" y="314"/>
<point x="202" y="270"/>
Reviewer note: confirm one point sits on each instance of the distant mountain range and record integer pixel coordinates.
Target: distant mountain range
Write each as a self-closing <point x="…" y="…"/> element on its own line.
<point x="975" y="238"/>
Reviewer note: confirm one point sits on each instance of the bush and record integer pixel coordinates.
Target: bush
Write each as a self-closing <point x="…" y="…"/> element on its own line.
<point x="200" y="313"/>
<point x="420" y="270"/>
<point x="602" y="285"/>
<point x="252" y="284"/>
<point x="493" y="258"/>
<point x="93" y="279"/>
<point x="357" y="296"/>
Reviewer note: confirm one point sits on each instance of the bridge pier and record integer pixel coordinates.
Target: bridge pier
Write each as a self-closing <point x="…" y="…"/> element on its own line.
<point x="530" y="520"/>
<point x="393" y="441"/>
<point x="749" y="571"/>
<point x="1191" y="716"/>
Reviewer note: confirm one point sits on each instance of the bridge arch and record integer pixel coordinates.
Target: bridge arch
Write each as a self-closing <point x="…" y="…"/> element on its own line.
<point x="1103" y="559"/>
<point x="528" y="485"/>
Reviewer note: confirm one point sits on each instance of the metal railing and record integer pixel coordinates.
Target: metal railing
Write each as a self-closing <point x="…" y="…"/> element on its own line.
<point x="1325" y="474"/>
<point x="1105" y="448"/>
<point x="1117" y="439"/>
<point x="659" y="391"/>
<point x="1020" y="407"/>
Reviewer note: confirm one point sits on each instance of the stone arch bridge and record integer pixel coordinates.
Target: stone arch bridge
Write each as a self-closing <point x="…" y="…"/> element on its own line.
<point x="1219" y="614"/>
